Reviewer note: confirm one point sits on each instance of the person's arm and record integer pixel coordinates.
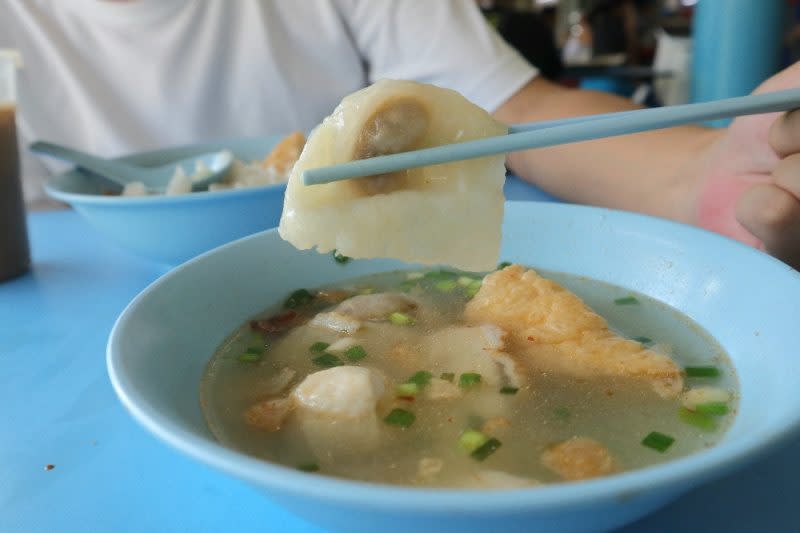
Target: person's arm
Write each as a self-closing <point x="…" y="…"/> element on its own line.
<point x="654" y="172"/>
<point x="742" y="181"/>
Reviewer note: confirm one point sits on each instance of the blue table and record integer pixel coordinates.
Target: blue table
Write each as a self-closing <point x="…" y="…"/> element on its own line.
<point x="57" y="407"/>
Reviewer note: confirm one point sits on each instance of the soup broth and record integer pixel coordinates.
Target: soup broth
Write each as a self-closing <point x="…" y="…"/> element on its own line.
<point x="441" y="422"/>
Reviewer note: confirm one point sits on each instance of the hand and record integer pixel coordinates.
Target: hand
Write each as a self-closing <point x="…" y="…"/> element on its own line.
<point x="751" y="183"/>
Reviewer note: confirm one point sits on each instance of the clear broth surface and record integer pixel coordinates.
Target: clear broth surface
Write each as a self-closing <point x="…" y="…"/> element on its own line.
<point x="619" y="413"/>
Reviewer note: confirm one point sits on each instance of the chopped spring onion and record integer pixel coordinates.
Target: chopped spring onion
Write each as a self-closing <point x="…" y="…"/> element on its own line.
<point x="298" y="298"/>
<point x="643" y="340"/>
<point x="712" y="408"/>
<point x="446" y="285"/>
<point x="658" y="441"/>
<point x="562" y="413"/>
<point x="448" y="376"/>
<point x="249" y="357"/>
<point x="401" y="319"/>
<point x="464" y="281"/>
<point x="697" y="419"/>
<point x="318" y="346"/>
<point x="702" y="371"/>
<point x="509" y="390"/>
<point x="421" y="378"/>
<point x="469" y="379"/>
<point x="407" y="389"/>
<point x="339" y="258"/>
<point x="400" y="417"/>
<point x="473" y="288"/>
<point x="355" y="353"/>
<point x="487" y="449"/>
<point x="628" y="300"/>
<point x="471" y="439"/>
<point x="439" y="275"/>
<point x="415" y="275"/>
<point x="327" y="360"/>
<point x="502" y="265"/>
<point x="308" y="467"/>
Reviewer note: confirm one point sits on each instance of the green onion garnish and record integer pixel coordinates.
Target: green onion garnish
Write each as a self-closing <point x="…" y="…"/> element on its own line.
<point x="440" y="275"/>
<point x="308" y="467"/>
<point x="446" y="285"/>
<point x="470" y="379"/>
<point x="318" y="346"/>
<point x="628" y="300"/>
<point x="508" y="390"/>
<point x="473" y="288"/>
<point x="702" y="371"/>
<point x="697" y="419"/>
<point x="400" y="417"/>
<point x="255" y="350"/>
<point x="658" y="441"/>
<point x="298" y="298"/>
<point x="339" y="258"/>
<point x="327" y="360"/>
<point x="643" y="340"/>
<point x="562" y="413"/>
<point x="712" y="408"/>
<point x="471" y="439"/>
<point x="421" y="378"/>
<point x="487" y="449"/>
<point x="401" y="319"/>
<point x="464" y="281"/>
<point x="355" y="353"/>
<point x="248" y="357"/>
<point x="502" y="265"/>
<point x="448" y="376"/>
<point x="407" y="389"/>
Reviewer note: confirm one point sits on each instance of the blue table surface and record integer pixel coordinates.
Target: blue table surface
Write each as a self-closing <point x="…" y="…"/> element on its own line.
<point x="57" y="407"/>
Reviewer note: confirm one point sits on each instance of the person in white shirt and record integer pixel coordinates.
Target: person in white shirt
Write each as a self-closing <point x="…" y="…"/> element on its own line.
<point x="116" y="77"/>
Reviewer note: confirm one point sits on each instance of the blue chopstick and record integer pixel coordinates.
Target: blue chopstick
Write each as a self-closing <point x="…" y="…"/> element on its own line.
<point x="564" y="131"/>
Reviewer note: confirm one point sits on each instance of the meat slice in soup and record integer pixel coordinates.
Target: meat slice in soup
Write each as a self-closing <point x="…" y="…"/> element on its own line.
<point x="479" y="349"/>
<point x="376" y="306"/>
<point x="337" y="409"/>
<point x="555" y="331"/>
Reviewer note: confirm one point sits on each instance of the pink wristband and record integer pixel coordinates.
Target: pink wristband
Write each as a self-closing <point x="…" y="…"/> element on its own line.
<point x="716" y="209"/>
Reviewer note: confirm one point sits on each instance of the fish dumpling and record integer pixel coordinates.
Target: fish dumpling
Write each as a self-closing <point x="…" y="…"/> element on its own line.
<point x="442" y="214"/>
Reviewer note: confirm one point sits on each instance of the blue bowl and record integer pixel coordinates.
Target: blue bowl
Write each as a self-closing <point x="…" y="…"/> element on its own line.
<point x="747" y="300"/>
<point x="173" y="229"/>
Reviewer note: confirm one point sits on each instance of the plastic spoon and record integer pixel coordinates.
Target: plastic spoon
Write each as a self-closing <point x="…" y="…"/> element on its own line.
<point x="155" y="179"/>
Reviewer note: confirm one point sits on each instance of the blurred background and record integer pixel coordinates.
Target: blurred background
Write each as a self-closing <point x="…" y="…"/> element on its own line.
<point x="656" y="52"/>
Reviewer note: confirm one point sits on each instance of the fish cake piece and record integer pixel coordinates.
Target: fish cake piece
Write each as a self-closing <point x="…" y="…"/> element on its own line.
<point x="285" y="154"/>
<point x="579" y="458"/>
<point x="557" y="332"/>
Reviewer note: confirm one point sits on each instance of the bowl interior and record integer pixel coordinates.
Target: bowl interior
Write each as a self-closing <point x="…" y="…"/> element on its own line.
<point x="745" y="299"/>
<point x="75" y="182"/>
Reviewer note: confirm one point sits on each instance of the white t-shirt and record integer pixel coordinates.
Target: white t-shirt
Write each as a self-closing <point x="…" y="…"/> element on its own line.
<point x="117" y="77"/>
